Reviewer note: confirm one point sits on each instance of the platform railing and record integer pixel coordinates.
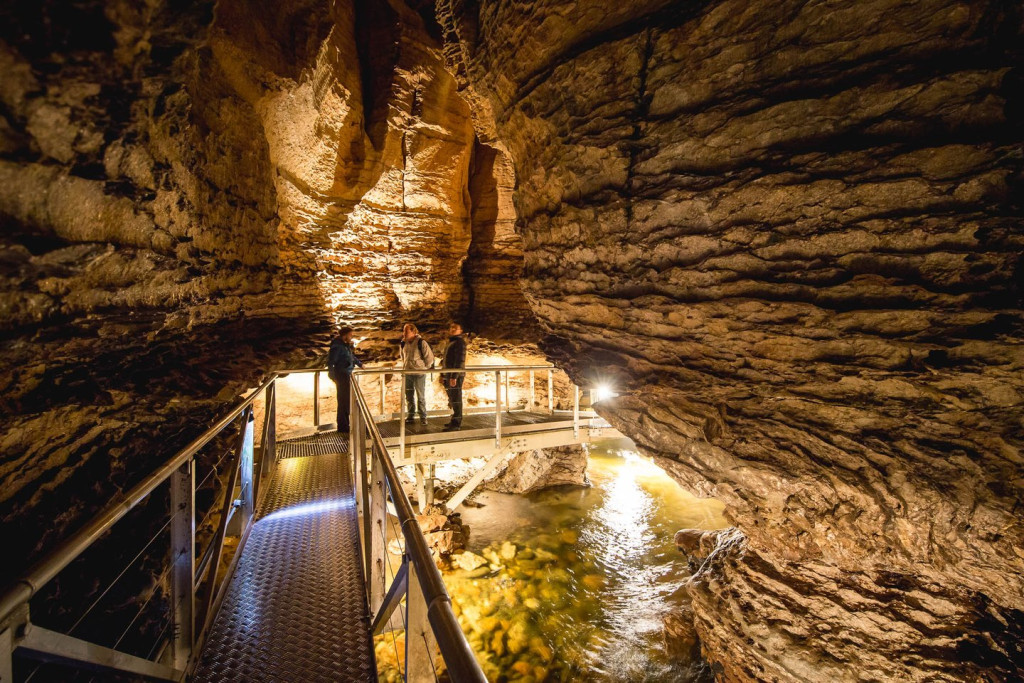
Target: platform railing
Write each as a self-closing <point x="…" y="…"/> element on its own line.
<point x="502" y="374"/>
<point x="426" y="616"/>
<point x="191" y="580"/>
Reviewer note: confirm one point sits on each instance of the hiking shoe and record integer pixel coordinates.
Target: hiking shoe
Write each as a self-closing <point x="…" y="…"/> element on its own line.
<point x="423" y="421"/>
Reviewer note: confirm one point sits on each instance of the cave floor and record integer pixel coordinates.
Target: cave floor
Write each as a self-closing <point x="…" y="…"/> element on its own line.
<point x="295" y="609"/>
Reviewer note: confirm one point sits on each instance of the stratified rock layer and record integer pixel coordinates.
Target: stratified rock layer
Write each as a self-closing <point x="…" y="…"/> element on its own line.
<point x="790" y="233"/>
<point x="191" y="197"/>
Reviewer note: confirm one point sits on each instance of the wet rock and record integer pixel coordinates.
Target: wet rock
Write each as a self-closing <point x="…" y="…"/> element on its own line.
<point x="468" y="561"/>
<point x="680" y="635"/>
<point x="789" y="234"/>
<point x="535" y="470"/>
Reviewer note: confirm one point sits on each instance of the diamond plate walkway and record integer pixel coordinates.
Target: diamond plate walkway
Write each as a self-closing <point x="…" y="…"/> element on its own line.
<point x="296" y="608"/>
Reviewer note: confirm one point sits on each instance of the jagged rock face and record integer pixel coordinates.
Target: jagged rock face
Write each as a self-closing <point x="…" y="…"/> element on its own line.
<point x="540" y="469"/>
<point x="191" y="197"/>
<point x="791" y="233"/>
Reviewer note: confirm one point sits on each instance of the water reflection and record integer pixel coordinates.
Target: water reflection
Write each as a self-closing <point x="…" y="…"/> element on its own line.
<point x="594" y="572"/>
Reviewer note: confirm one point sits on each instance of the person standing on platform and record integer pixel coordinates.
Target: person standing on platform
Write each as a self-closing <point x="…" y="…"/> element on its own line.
<point x="454" y="357"/>
<point x="341" y="361"/>
<point x="415" y="355"/>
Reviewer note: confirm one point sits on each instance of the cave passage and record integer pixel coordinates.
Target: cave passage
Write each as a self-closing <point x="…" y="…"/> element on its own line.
<point x="779" y="244"/>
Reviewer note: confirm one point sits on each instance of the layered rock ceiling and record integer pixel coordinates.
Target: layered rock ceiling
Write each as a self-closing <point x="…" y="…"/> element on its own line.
<point x="791" y="234"/>
<point x="193" y="194"/>
<point x="788" y="232"/>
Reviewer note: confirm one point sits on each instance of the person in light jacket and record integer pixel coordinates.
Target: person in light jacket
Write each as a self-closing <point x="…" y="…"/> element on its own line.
<point x="454" y="357"/>
<point x="341" y="361"/>
<point x="415" y="355"/>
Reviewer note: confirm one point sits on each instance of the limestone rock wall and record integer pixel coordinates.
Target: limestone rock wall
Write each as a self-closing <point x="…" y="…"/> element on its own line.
<point x="790" y="233"/>
<point x="193" y="194"/>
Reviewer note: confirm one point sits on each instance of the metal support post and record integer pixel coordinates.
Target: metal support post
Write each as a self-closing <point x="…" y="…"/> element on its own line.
<point x="6" y="650"/>
<point x="497" y="408"/>
<point x="355" y="444"/>
<point x="316" y="399"/>
<point x="266" y="454"/>
<point x="401" y="419"/>
<point x="383" y="393"/>
<point x="362" y="473"/>
<point x="378" y="539"/>
<point x="210" y="597"/>
<point x="551" y="393"/>
<point x="575" y="412"/>
<point x="419" y="637"/>
<point x="183" y="561"/>
<point x="431" y="476"/>
<point x="271" y="447"/>
<point x="508" y="397"/>
<point x="533" y="398"/>
<point x="243" y="516"/>
<point x="421" y="488"/>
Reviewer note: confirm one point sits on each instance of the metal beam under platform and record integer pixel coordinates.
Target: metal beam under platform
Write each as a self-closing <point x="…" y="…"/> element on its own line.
<point x="520" y="431"/>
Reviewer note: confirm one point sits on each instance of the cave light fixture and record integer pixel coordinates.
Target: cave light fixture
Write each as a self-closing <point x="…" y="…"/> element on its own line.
<point x="602" y="391"/>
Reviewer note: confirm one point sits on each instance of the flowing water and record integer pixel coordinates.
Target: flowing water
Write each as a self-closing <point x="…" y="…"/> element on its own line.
<point x="577" y="580"/>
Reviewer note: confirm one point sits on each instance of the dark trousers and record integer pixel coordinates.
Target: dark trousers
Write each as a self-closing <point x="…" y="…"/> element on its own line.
<point x="455" y="398"/>
<point x="341" y="383"/>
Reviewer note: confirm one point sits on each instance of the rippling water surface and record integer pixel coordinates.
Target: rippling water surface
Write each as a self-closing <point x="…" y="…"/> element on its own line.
<point x="594" y="571"/>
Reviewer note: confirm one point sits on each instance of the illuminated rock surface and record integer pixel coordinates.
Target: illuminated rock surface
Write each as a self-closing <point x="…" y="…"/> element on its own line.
<point x="788" y="232"/>
<point x="792" y="233"/>
<point x="191" y="197"/>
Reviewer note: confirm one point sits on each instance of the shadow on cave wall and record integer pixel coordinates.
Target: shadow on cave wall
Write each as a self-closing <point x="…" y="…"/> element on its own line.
<point x="145" y="276"/>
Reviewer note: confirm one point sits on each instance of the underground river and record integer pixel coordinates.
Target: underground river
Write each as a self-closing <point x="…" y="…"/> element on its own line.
<point x="578" y="579"/>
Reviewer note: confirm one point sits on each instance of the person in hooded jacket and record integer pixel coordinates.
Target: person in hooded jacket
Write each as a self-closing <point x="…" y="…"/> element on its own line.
<point x="341" y="361"/>
<point x="415" y="354"/>
<point x="454" y="357"/>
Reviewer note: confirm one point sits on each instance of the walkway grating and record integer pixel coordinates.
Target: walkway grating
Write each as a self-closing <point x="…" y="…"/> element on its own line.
<point x="317" y="444"/>
<point x="295" y="609"/>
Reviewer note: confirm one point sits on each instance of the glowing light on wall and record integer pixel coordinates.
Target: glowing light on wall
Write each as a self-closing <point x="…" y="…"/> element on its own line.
<point x="603" y="391"/>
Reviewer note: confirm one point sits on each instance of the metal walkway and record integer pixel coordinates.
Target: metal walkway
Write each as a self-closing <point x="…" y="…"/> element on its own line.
<point x="296" y="606"/>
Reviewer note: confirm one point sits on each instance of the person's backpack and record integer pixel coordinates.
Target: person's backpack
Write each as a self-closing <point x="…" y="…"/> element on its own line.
<point x="428" y="355"/>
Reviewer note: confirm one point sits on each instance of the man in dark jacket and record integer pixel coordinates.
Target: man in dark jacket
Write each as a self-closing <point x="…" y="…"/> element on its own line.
<point x="341" y="361"/>
<point x="454" y="357"/>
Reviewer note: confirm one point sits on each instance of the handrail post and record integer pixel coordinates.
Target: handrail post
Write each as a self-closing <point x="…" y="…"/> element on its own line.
<point x="272" y="416"/>
<point x="183" y="560"/>
<point x="551" y="393"/>
<point x="419" y="637"/>
<point x="6" y="652"/>
<point x="497" y="408"/>
<point x="266" y="454"/>
<point x="355" y="422"/>
<point x="533" y="402"/>
<point x="508" y="396"/>
<point x="378" y="538"/>
<point x="575" y="412"/>
<point x="316" y="399"/>
<point x="421" y="488"/>
<point x="383" y="392"/>
<point x="401" y="418"/>
<point x="242" y="518"/>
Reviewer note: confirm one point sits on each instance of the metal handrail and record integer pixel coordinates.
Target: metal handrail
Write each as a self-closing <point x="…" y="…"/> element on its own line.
<point x="43" y="571"/>
<point x="451" y="641"/>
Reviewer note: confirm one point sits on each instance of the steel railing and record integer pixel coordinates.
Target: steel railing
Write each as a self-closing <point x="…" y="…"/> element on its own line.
<point x="427" y="617"/>
<point x="196" y="585"/>
<point x="194" y="589"/>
